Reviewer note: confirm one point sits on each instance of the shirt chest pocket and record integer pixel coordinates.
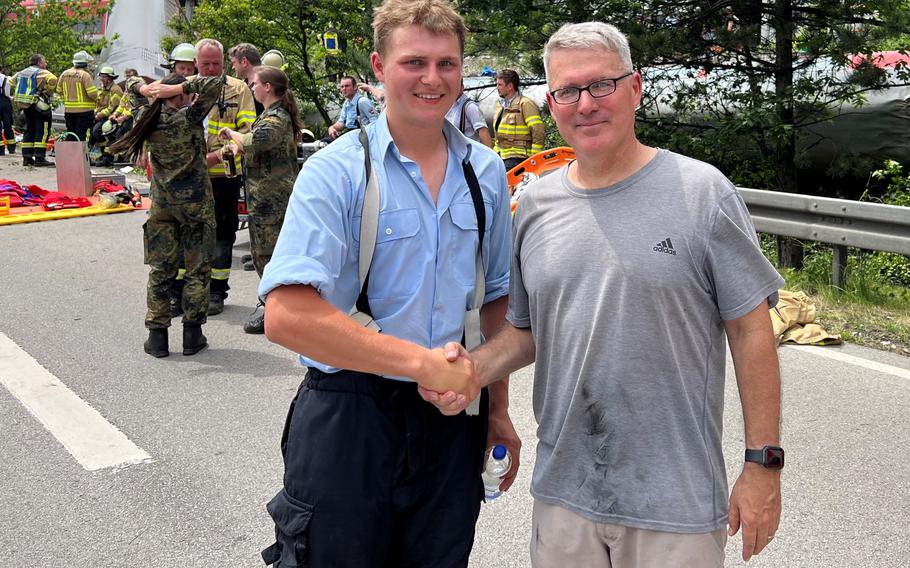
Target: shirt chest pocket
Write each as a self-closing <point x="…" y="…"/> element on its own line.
<point x="463" y="245"/>
<point x="396" y="269"/>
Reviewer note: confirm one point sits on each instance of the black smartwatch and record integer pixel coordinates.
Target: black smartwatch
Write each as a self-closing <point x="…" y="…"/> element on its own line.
<point x="771" y="457"/>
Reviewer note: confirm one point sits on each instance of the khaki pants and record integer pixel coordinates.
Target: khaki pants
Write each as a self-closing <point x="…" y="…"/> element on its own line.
<point x="562" y="539"/>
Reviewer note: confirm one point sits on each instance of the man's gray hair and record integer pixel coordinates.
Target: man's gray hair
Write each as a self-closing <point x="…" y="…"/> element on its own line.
<point x="208" y="42"/>
<point x="588" y="35"/>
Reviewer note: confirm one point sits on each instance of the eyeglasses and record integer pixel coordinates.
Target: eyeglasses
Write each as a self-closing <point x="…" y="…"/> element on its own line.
<point x="597" y="89"/>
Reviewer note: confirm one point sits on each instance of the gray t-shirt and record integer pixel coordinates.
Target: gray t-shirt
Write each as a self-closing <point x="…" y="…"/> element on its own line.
<point x="626" y="289"/>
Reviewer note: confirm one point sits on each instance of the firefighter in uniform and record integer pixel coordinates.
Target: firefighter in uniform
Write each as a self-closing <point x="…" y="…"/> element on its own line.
<point x="234" y="110"/>
<point x="34" y="88"/>
<point x="79" y="93"/>
<point x="108" y="101"/>
<point x="182" y="60"/>
<point x="516" y="122"/>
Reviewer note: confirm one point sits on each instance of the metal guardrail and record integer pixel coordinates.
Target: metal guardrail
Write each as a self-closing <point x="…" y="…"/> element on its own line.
<point x="840" y="222"/>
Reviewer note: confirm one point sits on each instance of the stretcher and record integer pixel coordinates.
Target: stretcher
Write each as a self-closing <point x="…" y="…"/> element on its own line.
<point x="62" y="214"/>
<point x="535" y="167"/>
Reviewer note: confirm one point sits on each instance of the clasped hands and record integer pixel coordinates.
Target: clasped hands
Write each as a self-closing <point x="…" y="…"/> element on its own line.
<point x="451" y="381"/>
<point x="228" y="134"/>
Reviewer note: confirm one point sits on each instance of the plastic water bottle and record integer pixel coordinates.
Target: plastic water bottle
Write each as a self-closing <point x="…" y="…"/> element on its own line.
<point x="498" y="464"/>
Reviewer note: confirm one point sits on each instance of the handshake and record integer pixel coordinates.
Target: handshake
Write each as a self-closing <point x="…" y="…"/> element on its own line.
<point x="449" y="379"/>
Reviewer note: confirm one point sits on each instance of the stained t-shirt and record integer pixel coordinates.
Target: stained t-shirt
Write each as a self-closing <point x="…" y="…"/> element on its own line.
<point x="626" y="289"/>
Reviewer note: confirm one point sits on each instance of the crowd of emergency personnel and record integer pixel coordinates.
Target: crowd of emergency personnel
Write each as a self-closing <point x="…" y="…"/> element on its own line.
<point x="195" y="190"/>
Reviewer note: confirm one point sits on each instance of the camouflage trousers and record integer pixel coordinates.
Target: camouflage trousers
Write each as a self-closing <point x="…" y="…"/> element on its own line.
<point x="263" y="236"/>
<point x="170" y="229"/>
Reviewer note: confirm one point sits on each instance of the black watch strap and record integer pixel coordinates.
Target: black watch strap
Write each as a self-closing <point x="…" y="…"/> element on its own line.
<point x="771" y="457"/>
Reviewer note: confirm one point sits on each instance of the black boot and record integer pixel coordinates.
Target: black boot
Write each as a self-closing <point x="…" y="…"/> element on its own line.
<point x="28" y="161"/>
<point x="216" y="305"/>
<point x="156" y="344"/>
<point x="42" y="163"/>
<point x="256" y="324"/>
<point x="193" y="340"/>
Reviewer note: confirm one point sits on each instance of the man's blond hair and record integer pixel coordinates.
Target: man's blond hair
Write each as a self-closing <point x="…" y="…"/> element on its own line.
<point x="435" y="16"/>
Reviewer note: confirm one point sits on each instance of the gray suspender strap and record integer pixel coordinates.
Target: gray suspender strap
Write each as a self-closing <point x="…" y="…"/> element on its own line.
<point x="369" y="224"/>
<point x="472" y="333"/>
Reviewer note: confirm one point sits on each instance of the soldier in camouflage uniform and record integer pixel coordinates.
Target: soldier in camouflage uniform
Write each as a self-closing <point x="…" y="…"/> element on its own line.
<point x="182" y="215"/>
<point x="271" y="160"/>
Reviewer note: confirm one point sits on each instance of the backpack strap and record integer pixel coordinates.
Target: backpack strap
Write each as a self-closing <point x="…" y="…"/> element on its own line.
<point x="472" y="334"/>
<point x="369" y="224"/>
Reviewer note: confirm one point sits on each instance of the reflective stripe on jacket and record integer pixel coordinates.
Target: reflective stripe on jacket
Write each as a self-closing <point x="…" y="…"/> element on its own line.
<point x="519" y="129"/>
<point x="78" y="91"/>
<point x="234" y="109"/>
<point x="108" y="100"/>
<point x="31" y="82"/>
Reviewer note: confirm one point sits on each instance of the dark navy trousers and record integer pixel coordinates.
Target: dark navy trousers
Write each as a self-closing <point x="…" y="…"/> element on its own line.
<point x="376" y="477"/>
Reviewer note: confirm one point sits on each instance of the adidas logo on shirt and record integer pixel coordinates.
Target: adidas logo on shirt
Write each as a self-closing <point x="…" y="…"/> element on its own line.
<point x="665" y="246"/>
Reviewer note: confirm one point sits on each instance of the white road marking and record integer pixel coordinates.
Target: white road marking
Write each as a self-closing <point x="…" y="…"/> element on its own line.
<point x="92" y="440"/>
<point x="853" y="360"/>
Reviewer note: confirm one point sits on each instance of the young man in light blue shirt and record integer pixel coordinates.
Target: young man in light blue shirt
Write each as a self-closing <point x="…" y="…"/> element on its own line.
<point x="374" y="475"/>
<point x="356" y="111"/>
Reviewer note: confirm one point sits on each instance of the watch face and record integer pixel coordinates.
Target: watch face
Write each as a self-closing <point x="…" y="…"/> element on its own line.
<point x="774" y="458"/>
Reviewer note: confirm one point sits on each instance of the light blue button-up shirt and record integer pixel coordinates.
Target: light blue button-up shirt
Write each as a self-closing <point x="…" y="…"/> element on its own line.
<point x="348" y="115"/>
<point x="422" y="275"/>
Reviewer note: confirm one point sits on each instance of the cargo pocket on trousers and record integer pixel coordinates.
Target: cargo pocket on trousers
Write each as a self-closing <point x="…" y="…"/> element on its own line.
<point x="145" y="243"/>
<point x="292" y="522"/>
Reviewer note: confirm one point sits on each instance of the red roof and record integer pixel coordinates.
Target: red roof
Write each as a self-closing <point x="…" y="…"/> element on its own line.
<point x="883" y="59"/>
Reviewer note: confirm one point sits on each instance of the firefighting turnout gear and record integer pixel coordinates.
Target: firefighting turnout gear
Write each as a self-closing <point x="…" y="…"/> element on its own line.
<point x="80" y="95"/>
<point x="33" y="84"/>
<point x="234" y="109"/>
<point x="519" y="129"/>
<point x="78" y="90"/>
<point x="108" y="100"/>
<point x="34" y="87"/>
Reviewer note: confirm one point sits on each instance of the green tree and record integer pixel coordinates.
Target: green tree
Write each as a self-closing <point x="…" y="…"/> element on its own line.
<point x="735" y="82"/>
<point x="295" y="28"/>
<point x="739" y="83"/>
<point x="56" y="30"/>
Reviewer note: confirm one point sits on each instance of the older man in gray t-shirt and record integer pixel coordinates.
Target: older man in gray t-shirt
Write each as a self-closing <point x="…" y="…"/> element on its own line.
<point x="632" y="267"/>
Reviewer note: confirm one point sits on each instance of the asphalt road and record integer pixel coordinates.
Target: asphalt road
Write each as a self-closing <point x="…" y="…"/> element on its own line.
<point x="72" y="296"/>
